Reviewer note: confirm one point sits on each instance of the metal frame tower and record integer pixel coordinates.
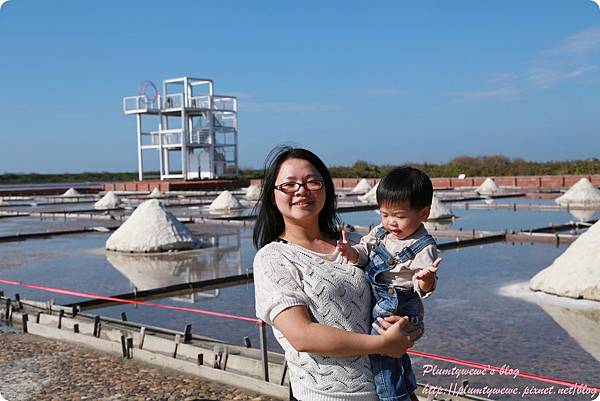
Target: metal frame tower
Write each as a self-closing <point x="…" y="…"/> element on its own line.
<point x="196" y="130"/>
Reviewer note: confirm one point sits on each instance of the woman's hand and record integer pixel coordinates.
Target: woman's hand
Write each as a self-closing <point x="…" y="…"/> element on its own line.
<point x="397" y="333"/>
<point x="348" y="253"/>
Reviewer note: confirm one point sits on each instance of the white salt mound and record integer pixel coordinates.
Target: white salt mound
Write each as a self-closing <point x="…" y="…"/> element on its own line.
<point x="575" y="273"/>
<point x="225" y="201"/>
<point x="253" y="193"/>
<point x="583" y="193"/>
<point x="155" y="194"/>
<point x="362" y="187"/>
<point x="439" y="210"/>
<point x="371" y="196"/>
<point x="108" y="201"/>
<point x="151" y="228"/>
<point x="71" y="192"/>
<point x="488" y="187"/>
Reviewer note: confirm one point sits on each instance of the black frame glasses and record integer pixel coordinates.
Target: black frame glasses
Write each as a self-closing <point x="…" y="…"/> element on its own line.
<point x="293" y="187"/>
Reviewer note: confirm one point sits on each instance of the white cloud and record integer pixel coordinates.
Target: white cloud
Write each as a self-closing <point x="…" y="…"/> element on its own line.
<point x="500" y="86"/>
<point x="573" y="57"/>
<point x="502" y="92"/>
<point x="546" y="77"/>
<point x="582" y="42"/>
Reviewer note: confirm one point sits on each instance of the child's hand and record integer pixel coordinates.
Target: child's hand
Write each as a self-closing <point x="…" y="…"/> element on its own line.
<point x="349" y="254"/>
<point x="427" y="276"/>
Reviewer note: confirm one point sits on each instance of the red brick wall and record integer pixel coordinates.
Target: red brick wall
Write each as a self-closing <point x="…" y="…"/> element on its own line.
<point x="525" y="182"/>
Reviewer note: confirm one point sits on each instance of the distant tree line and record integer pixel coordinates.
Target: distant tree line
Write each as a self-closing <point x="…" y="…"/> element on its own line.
<point x="481" y="166"/>
<point x="36" y="178"/>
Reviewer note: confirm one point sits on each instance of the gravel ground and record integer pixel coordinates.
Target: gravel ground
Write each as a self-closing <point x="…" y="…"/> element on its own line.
<point x="35" y="368"/>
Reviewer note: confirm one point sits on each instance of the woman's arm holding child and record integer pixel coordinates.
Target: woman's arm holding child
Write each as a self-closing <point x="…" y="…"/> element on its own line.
<point x="307" y="336"/>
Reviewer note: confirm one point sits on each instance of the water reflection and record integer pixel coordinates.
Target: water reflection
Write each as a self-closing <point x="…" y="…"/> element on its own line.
<point x="584" y="215"/>
<point x="145" y="272"/>
<point x="445" y="224"/>
<point x="583" y="325"/>
<point x="579" y="318"/>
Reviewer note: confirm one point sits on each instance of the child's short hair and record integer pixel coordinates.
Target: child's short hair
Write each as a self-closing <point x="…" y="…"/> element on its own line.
<point x="405" y="183"/>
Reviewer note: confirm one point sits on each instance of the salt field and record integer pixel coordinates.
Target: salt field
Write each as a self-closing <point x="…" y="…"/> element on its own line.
<point x="469" y="317"/>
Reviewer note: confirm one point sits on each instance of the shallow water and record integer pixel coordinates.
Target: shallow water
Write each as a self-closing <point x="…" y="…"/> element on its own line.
<point x="466" y="318"/>
<point x="488" y="219"/>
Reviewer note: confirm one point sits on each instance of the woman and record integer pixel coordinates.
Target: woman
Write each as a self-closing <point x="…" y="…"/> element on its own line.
<point x="319" y="308"/>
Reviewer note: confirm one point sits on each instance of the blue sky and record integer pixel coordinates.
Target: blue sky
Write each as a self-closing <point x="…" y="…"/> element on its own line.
<point x="385" y="81"/>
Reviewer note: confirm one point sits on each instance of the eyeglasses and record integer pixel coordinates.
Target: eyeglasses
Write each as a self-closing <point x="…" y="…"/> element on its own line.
<point x="292" y="187"/>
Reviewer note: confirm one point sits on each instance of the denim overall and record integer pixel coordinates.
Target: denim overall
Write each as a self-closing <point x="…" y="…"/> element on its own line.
<point x="394" y="377"/>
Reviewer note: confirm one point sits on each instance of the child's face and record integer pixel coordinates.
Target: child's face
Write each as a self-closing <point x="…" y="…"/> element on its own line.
<point x="401" y="220"/>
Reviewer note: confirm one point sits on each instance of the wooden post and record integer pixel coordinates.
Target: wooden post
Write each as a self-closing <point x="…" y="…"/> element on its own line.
<point x="7" y="310"/>
<point x="247" y="342"/>
<point x="124" y="316"/>
<point x="24" y="319"/>
<point x="123" y="346"/>
<point x="187" y="336"/>
<point x="76" y="328"/>
<point x="285" y="367"/>
<point x="61" y="314"/>
<point x="142" y="336"/>
<point x="18" y="301"/>
<point x="97" y="326"/>
<point x="263" y="348"/>
<point x="177" y="341"/>
<point x="129" y="348"/>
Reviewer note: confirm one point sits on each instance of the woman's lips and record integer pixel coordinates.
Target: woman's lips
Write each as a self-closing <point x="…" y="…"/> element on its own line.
<point x="302" y="203"/>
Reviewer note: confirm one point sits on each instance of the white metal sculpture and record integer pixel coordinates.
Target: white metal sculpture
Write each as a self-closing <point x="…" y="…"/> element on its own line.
<point x="196" y="137"/>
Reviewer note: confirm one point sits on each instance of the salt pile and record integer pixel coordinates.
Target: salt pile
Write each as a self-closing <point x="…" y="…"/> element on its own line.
<point x="371" y="196"/>
<point x="225" y="201"/>
<point x="488" y="187"/>
<point x="362" y="187"/>
<point x="71" y="192"/>
<point x="151" y="228"/>
<point x="583" y="193"/>
<point x="108" y="201"/>
<point x="155" y="194"/>
<point x="575" y="273"/>
<point x="439" y="210"/>
<point x="253" y="193"/>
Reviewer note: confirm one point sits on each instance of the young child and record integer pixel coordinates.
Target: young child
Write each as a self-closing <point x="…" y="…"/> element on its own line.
<point x="400" y="262"/>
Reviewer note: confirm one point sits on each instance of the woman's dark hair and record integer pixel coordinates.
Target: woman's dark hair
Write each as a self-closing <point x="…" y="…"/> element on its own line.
<point x="405" y="183"/>
<point x="269" y="221"/>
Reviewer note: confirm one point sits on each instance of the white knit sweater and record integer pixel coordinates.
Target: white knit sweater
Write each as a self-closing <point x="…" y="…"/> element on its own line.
<point x="335" y="295"/>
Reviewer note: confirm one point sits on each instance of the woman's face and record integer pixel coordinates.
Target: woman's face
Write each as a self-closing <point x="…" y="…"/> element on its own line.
<point x="303" y="205"/>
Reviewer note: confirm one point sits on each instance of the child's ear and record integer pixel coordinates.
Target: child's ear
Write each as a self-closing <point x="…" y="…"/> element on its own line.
<point x="424" y="213"/>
